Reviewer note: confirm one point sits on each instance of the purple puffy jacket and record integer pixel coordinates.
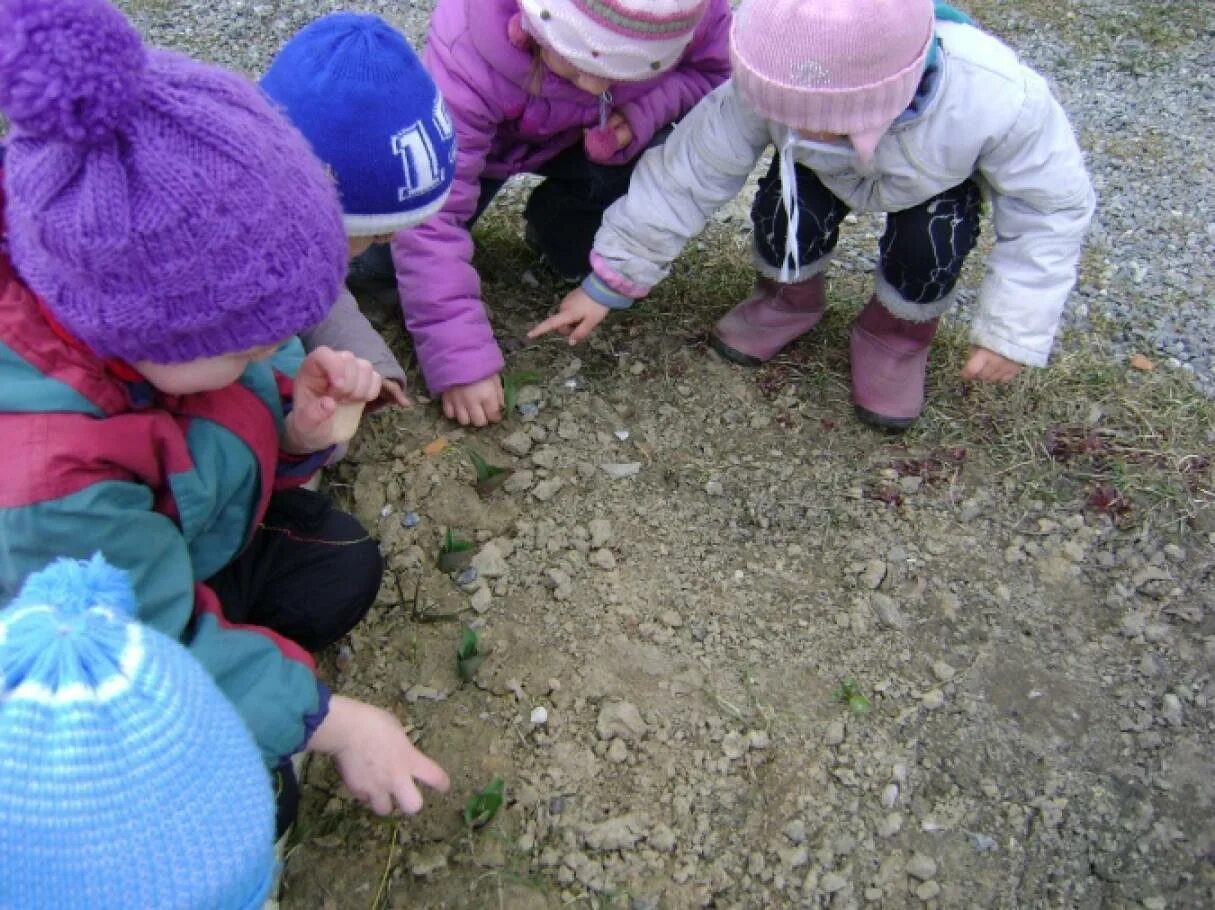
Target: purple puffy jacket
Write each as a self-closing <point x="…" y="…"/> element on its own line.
<point x="504" y="128"/>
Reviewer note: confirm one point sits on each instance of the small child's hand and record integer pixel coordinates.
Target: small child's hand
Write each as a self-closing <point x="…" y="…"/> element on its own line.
<point x="575" y="318"/>
<point x="603" y="142"/>
<point x="373" y="754"/>
<point x="326" y="379"/>
<point x="393" y="392"/>
<point x="478" y="403"/>
<point x="989" y="366"/>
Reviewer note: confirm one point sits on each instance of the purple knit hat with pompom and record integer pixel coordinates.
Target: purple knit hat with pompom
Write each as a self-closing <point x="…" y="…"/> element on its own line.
<point x="158" y="205"/>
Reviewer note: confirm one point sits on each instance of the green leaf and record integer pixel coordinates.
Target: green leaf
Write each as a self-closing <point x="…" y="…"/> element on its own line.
<point x="858" y="704"/>
<point x="484" y="805"/>
<point x="470" y="644"/>
<point x="453" y="544"/>
<point x="512" y="382"/>
<point x="484" y="469"/>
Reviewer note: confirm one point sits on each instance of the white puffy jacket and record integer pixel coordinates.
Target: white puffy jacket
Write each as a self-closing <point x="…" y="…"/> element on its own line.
<point x="990" y="117"/>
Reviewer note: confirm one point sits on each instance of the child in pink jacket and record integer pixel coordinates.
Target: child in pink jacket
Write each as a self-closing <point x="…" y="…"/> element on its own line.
<point x="574" y="90"/>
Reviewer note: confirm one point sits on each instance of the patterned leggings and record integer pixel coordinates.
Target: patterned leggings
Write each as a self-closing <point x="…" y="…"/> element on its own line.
<point x="922" y="249"/>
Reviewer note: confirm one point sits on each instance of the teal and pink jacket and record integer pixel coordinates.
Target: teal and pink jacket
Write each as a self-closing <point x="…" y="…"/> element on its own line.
<point x="168" y="488"/>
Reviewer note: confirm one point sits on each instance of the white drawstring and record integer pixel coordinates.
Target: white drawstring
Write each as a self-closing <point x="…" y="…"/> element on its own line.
<point x="605" y="107"/>
<point x="788" y="195"/>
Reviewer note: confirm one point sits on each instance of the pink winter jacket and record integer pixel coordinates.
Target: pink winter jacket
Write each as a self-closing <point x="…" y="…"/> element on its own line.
<point x="504" y="128"/>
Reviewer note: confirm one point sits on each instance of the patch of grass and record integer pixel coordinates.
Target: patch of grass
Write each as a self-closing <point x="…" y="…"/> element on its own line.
<point x="849" y="693"/>
<point x="483" y="805"/>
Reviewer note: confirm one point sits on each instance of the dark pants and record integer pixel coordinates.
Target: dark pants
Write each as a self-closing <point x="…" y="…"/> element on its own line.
<point x="310" y="574"/>
<point x="563" y="214"/>
<point x="921" y="251"/>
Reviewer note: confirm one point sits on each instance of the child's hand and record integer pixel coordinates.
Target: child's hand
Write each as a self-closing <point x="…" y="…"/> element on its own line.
<point x="603" y="142"/>
<point x="393" y="392"/>
<point x="478" y="403"/>
<point x="575" y="318"/>
<point x="373" y="754"/>
<point x="989" y="366"/>
<point x="326" y="379"/>
<point x="620" y="126"/>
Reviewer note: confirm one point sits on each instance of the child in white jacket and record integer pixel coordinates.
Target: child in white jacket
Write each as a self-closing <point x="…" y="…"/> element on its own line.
<point x="873" y="106"/>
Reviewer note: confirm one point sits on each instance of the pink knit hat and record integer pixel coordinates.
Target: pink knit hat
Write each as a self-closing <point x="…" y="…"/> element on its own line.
<point x="620" y="40"/>
<point x="832" y="66"/>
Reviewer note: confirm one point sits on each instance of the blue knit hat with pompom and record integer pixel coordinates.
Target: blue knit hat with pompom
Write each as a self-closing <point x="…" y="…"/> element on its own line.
<point x="126" y="778"/>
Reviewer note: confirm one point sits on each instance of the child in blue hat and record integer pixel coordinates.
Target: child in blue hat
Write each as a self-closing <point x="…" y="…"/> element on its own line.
<point x="357" y="91"/>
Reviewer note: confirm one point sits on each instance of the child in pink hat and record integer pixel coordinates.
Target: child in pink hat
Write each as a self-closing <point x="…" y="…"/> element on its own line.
<point x="892" y="106"/>
<point x="573" y="90"/>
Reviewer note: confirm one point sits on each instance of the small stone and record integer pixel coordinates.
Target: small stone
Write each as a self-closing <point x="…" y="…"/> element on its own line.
<point x="490" y="562"/>
<point x="795" y="831"/>
<point x="519" y="482"/>
<point x="547" y="489"/>
<point x="415" y="694"/>
<point x="410" y="520"/>
<point x="888" y="614"/>
<point x="528" y="409"/>
<point x="734" y="745"/>
<point x="890" y="795"/>
<point x="618" y="752"/>
<point x="601" y="532"/>
<point x="517" y="443"/>
<point x="539" y="715"/>
<point x="932" y="699"/>
<point x="428" y="859"/>
<point x="1171" y="709"/>
<point x="620" y="720"/>
<point x="891" y="825"/>
<point x="758" y="740"/>
<point x="619" y="471"/>
<point x="873" y="574"/>
<point x="603" y="559"/>
<point x="545" y="458"/>
<point x="982" y="843"/>
<point x="911" y="484"/>
<point x="467" y="577"/>
<point x="1174" y="553"/>
<point x="671" y="619"/>
<point x="714" y="488"/>
<point x="943" y="671"/>
<point x="921" y="866"/>
<point x="622" y="435"/>
<point x="832" y="882"/>
<point x="662" y="839"/>
<point x="835" y="733"/>
<point x="927" y="890"/>
<point x="792" y="858"/>
<point x="482" y="599"/>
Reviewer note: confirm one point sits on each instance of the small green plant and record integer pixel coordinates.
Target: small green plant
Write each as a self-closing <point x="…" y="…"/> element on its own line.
<point x="489" y="476"/>
<point x="483" y="805"/>
<point x="848" y="693"/>
<point x="454" y="554"/>
<point x="469" y="655"/>
<point x="512" y="382"/>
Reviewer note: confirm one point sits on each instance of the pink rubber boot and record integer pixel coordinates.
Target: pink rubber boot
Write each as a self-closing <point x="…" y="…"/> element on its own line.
<point x="889" y="363"/>
<point x="773" y="316"/>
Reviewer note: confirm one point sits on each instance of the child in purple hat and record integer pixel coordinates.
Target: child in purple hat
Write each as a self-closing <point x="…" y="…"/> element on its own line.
<point x="166" y="232"/>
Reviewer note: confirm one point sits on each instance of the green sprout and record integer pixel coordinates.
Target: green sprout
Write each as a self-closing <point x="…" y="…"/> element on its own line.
<point x="489" y="476"/>
<point x="483" y="805"/>
<point x="454" y="554"/>
<point x="848" y="693"/>
<point x="512" y="382"/>
<point x="469" y="655"/>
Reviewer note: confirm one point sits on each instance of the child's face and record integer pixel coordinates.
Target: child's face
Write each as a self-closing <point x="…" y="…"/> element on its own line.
<point x="359" y="245"/>
<point x="594" y="85"/>
<point x="207" y="374"/>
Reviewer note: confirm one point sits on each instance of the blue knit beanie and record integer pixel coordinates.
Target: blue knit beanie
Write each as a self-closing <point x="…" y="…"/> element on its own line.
<point x="126" y="778"/>
<point x="358" y="92"/>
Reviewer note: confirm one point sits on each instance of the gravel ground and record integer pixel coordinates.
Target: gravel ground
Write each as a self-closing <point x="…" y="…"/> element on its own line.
<point x="689" y="559"/>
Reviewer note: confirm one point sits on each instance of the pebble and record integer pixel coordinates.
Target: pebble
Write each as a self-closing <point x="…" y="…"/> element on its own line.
<point x="890" y="795"/>
<point x="519" y="482"/>
<point x="758" y="740"/>
<point x="619" y="471"/>
<point x="943" y="671"/>
<point x="921" y="866"/>
<point x="482" y="599"/>
<point x="1171" y="709"/>
<point x="832" y="882"/>
<point x="932" y="699"/>
<point x="888" y="614"/>
<point x="601" y="532"/>
<point x="835" y="733"/>
<point x="982" y="843"/>
<point x="410" y="520"/>
<point x="671" y="619"/>
<point x="620" y="720"/>
<point x="545" y="458"/>
<point x="734" y="745"/>
<point x="490" y="562"/>
<point x="428" y="859"/>
<point x="547" y="489"/>
<point x="603" y="559"/>
<point x="873" y="574"/>
<point x="927" y="890"/>
<point x="714" y="488"/>
<point x="528" y="410"/>
<point x="618" y="752"/>
<point x="517" y="443"/>
<point x="795" y="831"/>
<point x="891" y="825"/>
<point x="466" y="577"/>
<point x="539" y="715"/>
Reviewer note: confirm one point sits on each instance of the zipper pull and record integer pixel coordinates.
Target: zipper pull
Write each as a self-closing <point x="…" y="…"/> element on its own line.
<point x="605" y="108"/>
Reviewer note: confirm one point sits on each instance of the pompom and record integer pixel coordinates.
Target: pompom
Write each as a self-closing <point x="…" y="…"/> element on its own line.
<point x="601" y="144"/>
<point x="70" y="70"/>
<point x="72" y="587"/>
